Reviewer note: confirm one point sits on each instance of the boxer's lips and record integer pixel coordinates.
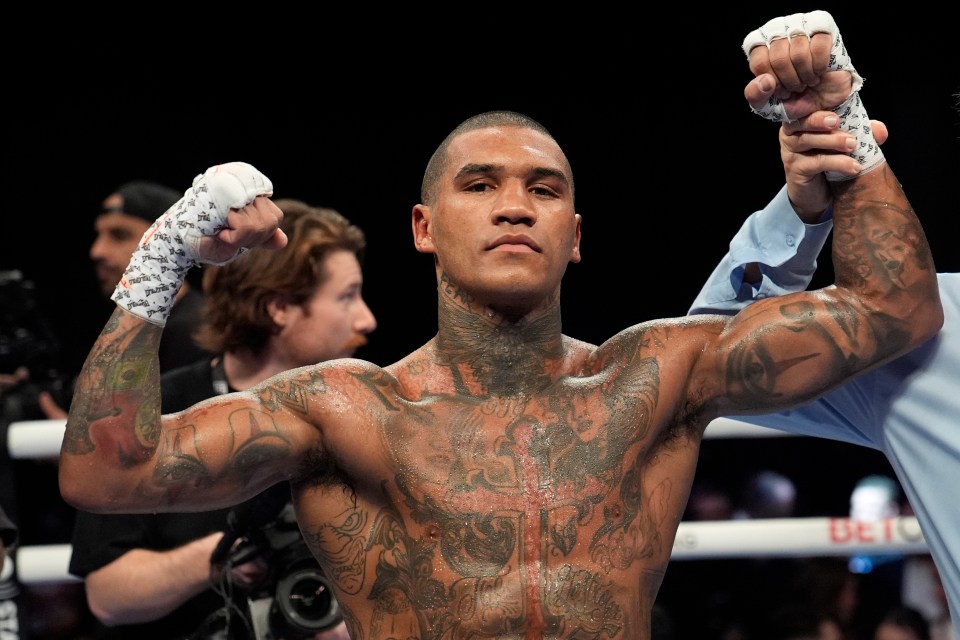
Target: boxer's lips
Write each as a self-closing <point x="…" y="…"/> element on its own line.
<point x="514" y="242"/>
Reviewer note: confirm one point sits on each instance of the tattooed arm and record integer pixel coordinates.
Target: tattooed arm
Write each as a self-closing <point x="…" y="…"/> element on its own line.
<point x="783" y="351"/>
<point x="120" y="455"/>
<point x="117" y="453"/>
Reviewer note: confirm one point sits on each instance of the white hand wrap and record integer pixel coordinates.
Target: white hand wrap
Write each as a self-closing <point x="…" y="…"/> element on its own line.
<point x="853" y="116"/>
<point x="170" y="247"/>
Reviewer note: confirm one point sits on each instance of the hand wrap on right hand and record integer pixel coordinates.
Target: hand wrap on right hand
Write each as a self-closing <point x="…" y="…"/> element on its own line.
<point x="853" y="116"/>
<point x="170" y="247"/>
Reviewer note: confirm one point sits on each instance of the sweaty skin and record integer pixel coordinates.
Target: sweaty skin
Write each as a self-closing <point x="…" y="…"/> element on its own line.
<point x="503" y="480"/>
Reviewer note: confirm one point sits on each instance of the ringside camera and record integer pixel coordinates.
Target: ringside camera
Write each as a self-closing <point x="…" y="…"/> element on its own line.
<point x="293" y="602"/>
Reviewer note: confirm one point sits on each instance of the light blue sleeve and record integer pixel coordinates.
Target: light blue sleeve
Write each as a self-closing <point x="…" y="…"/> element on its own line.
<point x="781" y="243"/>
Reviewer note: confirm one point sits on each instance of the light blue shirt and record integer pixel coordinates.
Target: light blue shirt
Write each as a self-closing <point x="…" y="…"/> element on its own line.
<point x="909" y="409"/>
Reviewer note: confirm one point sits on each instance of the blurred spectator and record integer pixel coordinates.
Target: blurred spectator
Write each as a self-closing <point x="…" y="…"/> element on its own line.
<point x="708" y="502"/>
<point x="902" y="623"/>
<point x="662" y="626"/>
<point x="799" y="621"/>
<point x="767" y="494"/>
<point x="876" y="497"/>
<point x="731" y="595"/>
<point x="828" y="588"/>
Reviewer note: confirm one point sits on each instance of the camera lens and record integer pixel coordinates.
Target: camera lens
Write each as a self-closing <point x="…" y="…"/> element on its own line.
<point x="304" y="602"/>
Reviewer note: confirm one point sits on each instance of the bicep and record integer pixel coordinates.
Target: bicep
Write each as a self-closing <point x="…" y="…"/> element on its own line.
<point x="227" y="449"/>
<point x="781" y="352"/>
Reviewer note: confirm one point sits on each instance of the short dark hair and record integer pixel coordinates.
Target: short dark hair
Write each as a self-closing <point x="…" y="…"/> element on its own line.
<point x="438" y="161"/>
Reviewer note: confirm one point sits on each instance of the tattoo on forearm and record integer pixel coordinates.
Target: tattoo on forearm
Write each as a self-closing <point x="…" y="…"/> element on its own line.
<point x="118" y="385"/>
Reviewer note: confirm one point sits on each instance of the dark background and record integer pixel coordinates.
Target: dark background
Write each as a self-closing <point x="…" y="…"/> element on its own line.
<point x="668" y="159"/>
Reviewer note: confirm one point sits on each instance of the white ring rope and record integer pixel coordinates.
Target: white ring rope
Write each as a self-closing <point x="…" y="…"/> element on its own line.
<point x="770" y="538"/>
<point x="30" y="439"/>
<point x="797" y="537"/>
<point x="44" y="564"/>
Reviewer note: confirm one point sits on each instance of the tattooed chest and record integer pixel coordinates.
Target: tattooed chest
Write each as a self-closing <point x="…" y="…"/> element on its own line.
<point x="522" y="516"/>
<point x="505" y="464"/>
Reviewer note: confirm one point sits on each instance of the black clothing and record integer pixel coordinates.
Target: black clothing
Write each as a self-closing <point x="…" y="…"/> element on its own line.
<point x="177" y="348"/>
<point x="8" y="530"/>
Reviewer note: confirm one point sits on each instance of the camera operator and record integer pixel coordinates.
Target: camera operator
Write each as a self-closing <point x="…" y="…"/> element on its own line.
<point x="155" y="575"/>
<point x="30" y="353"/>
<point x="31" y="369"/>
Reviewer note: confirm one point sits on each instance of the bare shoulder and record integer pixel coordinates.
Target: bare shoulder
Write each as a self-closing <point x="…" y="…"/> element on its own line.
<point x="329" y="370"/>
<point x="327" y="386"/>
<point x="654" y="336"/>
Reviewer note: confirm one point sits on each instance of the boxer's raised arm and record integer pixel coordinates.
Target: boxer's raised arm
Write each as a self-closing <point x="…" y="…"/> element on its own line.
<point x="114" y="426"/>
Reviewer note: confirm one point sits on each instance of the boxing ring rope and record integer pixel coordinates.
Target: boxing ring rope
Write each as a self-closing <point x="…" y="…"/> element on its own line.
<point x="30" y="439"/>
<point x="772" y="538"/>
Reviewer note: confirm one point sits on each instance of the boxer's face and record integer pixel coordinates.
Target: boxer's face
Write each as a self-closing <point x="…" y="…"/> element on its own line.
<point x="503" y="226"/>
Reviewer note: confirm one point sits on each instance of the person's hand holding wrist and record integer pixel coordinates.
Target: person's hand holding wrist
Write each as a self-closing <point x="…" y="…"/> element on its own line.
<point x="811" y="146"/>
<point x="801" y="65"/>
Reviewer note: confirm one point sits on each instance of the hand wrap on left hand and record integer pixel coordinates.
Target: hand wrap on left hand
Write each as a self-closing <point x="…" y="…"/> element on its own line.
<point x="853" y="115"/>
<point x="170" y="247"/>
